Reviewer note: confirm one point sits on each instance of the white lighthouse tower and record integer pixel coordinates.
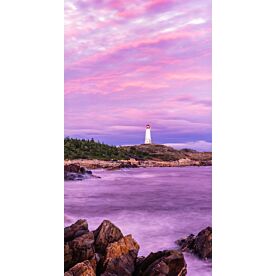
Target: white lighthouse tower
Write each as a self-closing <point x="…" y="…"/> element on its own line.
<point x="147" y="135"/>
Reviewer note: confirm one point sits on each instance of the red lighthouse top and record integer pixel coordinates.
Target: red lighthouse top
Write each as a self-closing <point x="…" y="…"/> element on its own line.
<point x="148" y="126"/>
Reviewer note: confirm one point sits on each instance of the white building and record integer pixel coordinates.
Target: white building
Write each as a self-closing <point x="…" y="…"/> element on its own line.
<point x="147" y="135"/>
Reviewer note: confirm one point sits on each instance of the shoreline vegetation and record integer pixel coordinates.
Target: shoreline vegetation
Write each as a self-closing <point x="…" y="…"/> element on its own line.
<point x="95" y="155"/>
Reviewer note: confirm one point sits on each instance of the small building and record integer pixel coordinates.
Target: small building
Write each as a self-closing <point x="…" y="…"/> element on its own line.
<point x="148" y="135"/>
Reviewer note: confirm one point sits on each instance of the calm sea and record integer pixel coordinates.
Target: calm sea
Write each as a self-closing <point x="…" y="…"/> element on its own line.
<point x="156" y="205"/>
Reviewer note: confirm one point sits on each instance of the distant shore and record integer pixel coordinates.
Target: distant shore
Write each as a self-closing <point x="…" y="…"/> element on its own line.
<point x="205" y="160"/>
<point x="94" y="155"/>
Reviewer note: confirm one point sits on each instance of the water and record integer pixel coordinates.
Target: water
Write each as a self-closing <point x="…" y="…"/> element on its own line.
<point x="156" y="205"/>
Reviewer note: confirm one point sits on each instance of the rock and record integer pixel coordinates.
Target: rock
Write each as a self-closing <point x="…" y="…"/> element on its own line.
<point x="167" y="262"/>
<point x="105" y="234"/>
<point x="152" y="156"/>
<point x="75" y="172"/>
<point x="81" y="269"/>
<point x="200" y="245"/>
<point x="203" y="243"/>
<point x="187" y="244"/>
<point x="74" y="168"/>
<point x="120" y="257"/>
<point x="69" y="176"/>
<point x="78" y="250"/>
<point x="75" y="230"/>
<point x="73" y="176"/>
<point x="139" y="260"/>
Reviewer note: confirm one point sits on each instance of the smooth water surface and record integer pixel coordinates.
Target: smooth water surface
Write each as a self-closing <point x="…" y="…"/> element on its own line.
<point x="156" y="205"/>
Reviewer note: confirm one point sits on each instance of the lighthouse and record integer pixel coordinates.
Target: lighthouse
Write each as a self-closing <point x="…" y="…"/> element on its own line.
<point x="147" y="135"/>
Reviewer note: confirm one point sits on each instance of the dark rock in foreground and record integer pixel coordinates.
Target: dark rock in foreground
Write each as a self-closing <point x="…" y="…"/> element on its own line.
<point x="78" y="250"/>
<point x="200" y="245"/>
<point x="75" y="230"/>
<point x="120" y="257"/>
<point x="167" y="262"/>
<point x="105" y="234"/>
<point x="84" y="268"/>
<point x="106" y="252"/>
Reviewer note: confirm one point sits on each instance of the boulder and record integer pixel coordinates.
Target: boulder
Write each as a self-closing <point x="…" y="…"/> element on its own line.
<point x="139" y="260"/>
<point x="73" y="176"/>
<point x="74" y="168"/>
<point x="105" y="234"/>
<point x="120" y="257"/>
<point x="75" y="172"/>
<point x="200" y="245"/>
<point x="167" y="262"/>
<point x="187" y="244"/>
<point x="69" y="176"/>
<point x="75" y="230"/>
<point x="203" y="243"/>
<point x="81" y="269"/>
<point x="78" y="250"/>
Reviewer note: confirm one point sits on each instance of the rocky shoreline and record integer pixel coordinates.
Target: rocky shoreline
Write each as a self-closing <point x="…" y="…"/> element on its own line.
<point x="133" y="163"/>
<point x="77" y="172"/>
<point x="107" y="252"/>
<point x="144" y="156"/>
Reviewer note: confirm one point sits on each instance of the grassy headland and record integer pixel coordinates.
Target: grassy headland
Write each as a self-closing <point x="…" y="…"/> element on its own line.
<point x="140" y="155"/>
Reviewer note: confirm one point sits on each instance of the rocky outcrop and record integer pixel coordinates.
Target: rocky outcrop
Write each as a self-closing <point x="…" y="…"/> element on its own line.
<point x="75" y="230"/>
<point x="78" y="250"/>
<point x="74" y="168"/>
<point x="105" y="234"/>
<point x="184" y="159"/>
<point x="120" y="257"/>
<point x="167" y="262"/>
<point x="106" y="252"/>
<point x="200" y="245"/>
<point x="73" y="171"/>
<point x="81" y="269"/>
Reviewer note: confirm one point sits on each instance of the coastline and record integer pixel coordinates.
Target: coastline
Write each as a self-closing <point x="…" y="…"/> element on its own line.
<point x="204" y="159"/>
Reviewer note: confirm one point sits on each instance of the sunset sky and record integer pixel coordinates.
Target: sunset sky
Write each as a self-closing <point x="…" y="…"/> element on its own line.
<point x="130" y="63"/>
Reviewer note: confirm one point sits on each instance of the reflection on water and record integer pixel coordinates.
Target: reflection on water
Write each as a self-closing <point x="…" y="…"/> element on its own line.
<point x="156" y="205"/>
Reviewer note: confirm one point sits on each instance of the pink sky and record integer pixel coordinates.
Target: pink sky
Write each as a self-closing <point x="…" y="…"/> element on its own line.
<point x="129" y="63"/>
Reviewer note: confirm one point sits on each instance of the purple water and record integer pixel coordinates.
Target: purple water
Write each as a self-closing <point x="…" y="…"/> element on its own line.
<point x="156" y="205"/>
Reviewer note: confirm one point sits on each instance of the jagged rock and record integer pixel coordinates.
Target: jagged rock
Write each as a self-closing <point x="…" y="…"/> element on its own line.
<point x="105" y="234"/>
<point x="75" y="172"/>
<point x="78" y="250"/>
<point x="75" y="230"/>
<point x="167" y="262"/>
<point x="84" y="268"/>
<point x="74" y="168"/>
<point x="200" y="245"/>
<point x="187" y="244"/>
<point x="74" y="176"/>
<point x="139" y="260"/>
<point x="120" y="257"/>
<point x="203" y="243"/>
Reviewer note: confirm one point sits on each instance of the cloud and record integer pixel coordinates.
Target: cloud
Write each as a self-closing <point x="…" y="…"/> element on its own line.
<point x="197" y="21"/>
<point x="195" y="145"/>
<point x="128" y="63"/>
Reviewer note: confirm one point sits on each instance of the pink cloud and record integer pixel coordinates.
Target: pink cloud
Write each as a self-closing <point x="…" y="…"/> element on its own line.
<point x="139" y="62"/>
